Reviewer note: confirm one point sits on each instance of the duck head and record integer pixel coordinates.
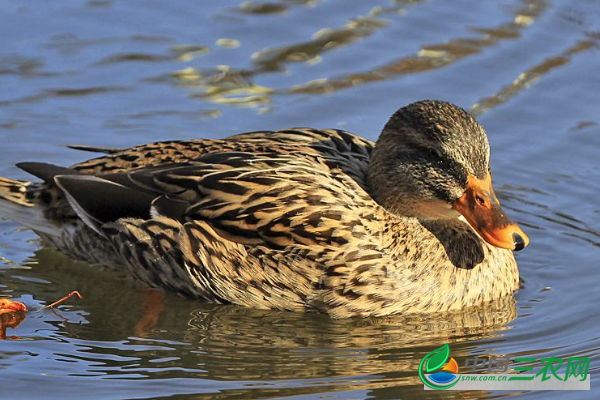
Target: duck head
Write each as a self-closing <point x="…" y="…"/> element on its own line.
<point x="432" y="161"/>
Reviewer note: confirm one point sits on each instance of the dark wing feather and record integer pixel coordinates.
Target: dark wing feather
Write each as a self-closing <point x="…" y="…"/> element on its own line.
<point x="168" y="206"/>
<point x="97" y="201"/>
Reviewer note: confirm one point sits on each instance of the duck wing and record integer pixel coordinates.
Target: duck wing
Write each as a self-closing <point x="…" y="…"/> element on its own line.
<point x="264" y="230"/>
<point x="266" y="198"/>
<point x="266" y="220"/>
<point x="250" y="198"/>
<point x="278" y="187"/>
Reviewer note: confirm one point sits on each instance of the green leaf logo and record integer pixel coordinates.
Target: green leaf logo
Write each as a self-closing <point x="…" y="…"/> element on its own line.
<point x="437" y="358"/>
<point x="432" y="361"/>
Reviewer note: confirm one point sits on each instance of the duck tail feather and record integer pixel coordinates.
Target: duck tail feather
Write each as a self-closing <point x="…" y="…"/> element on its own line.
<point x="45" y="171"/>
<point x="94" y="149"/>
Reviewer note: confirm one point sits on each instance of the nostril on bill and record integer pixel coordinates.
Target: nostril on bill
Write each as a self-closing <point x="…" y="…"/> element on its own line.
<point x="518" y="241"/>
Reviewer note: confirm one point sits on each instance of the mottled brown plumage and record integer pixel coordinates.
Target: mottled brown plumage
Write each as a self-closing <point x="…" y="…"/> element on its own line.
<point x="299" y="219"/>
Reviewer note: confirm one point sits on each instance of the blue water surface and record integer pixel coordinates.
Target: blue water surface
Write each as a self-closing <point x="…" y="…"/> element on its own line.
<point x="118" y="73"/>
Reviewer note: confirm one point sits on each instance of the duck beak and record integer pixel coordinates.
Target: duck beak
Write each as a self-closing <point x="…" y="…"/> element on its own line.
<point x="480" y="207"/>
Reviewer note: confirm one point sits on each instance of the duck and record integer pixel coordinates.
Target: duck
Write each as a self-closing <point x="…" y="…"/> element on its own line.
<point x="302" y="219"/>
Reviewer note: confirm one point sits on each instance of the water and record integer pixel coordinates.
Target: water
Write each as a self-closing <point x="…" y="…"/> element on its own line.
<point x="120" y="73"/>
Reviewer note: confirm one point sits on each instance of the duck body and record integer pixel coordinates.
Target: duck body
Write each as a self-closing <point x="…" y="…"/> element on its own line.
<point x="279" y="219"/>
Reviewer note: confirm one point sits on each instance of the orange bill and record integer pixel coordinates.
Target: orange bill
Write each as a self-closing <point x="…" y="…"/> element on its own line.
<point x="480" y="207"/>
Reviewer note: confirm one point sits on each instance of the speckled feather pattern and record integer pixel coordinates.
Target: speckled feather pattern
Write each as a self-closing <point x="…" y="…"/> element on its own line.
<point x="281" y="220"/>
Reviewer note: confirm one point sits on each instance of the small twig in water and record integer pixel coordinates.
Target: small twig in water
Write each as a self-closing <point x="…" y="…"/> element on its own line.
<point x="75" y="293"/>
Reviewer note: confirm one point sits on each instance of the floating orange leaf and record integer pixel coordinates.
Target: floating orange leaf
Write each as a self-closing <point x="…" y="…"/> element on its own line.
<point x="8" y="306"/>
<point x="12" y="313"/>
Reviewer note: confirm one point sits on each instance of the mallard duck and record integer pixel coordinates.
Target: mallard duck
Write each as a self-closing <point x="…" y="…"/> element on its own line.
<point x="298" y="219"/>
